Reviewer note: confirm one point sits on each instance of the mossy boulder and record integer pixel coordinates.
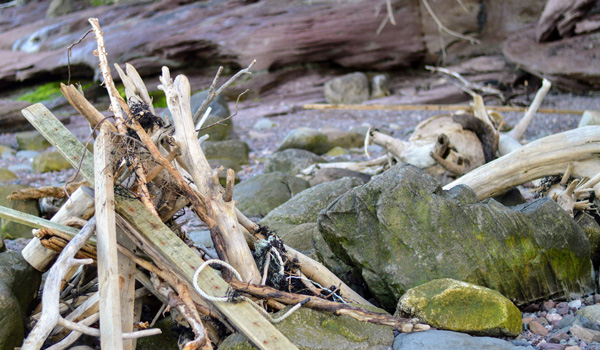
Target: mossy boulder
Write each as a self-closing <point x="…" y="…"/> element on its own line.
<point x="50" y="161"/>
<point x="344" y="139"/>
<point x="262" y="193"/>
<point x="307" y="139"/>
<point x="464" y="307"/>
<point x="313" y="330"/>
<point x="305" y="207"/>
<point x="31" y="141"/>
<point x="164" y="341"/>
<point x="234" y="150"/>
<point x="7" y="175"/>
<point x="19" y="283"/>
<point x="401" y="230"/>
<point x="291" y="161"/>
<point x="10" y="229"/>
<point x="12" y="331"/>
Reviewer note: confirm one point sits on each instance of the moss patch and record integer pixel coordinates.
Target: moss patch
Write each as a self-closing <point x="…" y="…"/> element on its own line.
<point x="42" y="93"/>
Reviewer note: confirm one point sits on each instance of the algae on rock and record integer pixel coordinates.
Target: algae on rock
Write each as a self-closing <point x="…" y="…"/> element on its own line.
<point x="464" y="307"/>
<point x="402" y="230"/>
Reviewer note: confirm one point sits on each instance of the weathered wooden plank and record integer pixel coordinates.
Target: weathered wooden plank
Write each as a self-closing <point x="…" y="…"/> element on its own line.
<point x="34" y="221"/>
<point x="106" y="247"/>
<point x="243" y="316"/>
<point x="61" y="138"/>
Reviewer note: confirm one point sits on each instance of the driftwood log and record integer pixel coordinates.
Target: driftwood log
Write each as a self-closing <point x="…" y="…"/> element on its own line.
<point x="550" y="155"/>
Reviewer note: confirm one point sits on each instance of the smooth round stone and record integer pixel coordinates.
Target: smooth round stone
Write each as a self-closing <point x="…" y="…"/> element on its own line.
<point x="28" y="155"/>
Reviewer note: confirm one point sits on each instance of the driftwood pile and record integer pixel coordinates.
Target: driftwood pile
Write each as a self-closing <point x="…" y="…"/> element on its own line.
<point x="143" y="173"/>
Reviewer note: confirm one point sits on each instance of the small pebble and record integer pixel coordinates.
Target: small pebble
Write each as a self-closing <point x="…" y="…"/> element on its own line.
<point x="548" y="305"/>
<point x="551" y="346"/>
<point x="573" y="347"/>
<point x="557" y="337"/>
<point x="537" y="328"/>
<point x="553" y="317"/>
<point x="575" y="304"/>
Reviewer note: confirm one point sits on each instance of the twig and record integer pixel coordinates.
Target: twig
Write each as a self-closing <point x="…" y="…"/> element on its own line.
<point x="69" y="53"/>
<point x="212" y="95"/>
<point x="467" y="84"/>
<point x="519" y="129"/>
<point x="446" y="29"/>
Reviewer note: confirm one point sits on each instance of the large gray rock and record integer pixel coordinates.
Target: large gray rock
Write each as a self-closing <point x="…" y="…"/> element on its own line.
<point x="12" y="330"/>
<point x="314" y="330"/>
<point x="401" y="230"/>
<point x="10" y="229"/>
<point x="348" y="89"/>
<point x="307" y="139"/>
<point x="291" y="161"/>
<point x="19" y="283"/>
<point x="330" y="174"/>
<point x="305" y="207"/>
<point x="262" y="193"/>
<point x="447" y="340"/>
<point x="344" y="139"/>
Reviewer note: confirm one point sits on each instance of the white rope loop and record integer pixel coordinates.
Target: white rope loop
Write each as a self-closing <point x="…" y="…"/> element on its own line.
<point x="202" y="267"/>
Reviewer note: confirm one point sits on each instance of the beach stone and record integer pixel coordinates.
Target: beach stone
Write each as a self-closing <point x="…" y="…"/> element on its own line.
<point x="448" y="340"/>
<point x="19" y="283"/>
<point x="12" y="331"/>
<point x="31" y="141"/>
<point x="163" y="341"/>
<point x="344" y="139"/>
<point x="50" y="161"/>
<point x="307" y="139"/>
<point x="27" y="155"/>
<point x="264" y="124"/>
<point x="585" y="334"/>
<point x="401" y="230"/>
<point x="291" y="161"/>
<point x="313" y="330"/>
<point x="591" y="312"/>
<point x="537" y="328"/>
<point x="6" y="150"/>
<point x="262" y="193"/>
<point x="351" y="88"/>
<point x="2" y="245"/>
<point x="330" y="174"/>
<point x="337" y="151"/>
<point x="234" y="150"/>
<point x="305" y="207"/>
<point x="551" y="346"/>
<point x="10" y="229"/>
<point x="7" y="176"/>
<point x="463" y="307"/>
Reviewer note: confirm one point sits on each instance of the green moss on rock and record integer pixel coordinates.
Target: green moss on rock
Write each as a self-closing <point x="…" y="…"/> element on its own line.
<point x="401" y="230"/>
<point x="463" y="307"/>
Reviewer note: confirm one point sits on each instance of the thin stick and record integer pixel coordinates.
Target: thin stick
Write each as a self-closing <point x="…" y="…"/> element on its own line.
<point x="519" y="129"/>
<point x="212" y="95"/>
<point x="446" y="29"/>
<point x="69" y="54"/>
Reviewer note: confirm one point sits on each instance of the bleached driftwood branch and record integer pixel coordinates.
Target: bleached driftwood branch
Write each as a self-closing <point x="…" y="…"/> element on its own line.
<point x="224" y="226"/>
<point x="550" y="155"/>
